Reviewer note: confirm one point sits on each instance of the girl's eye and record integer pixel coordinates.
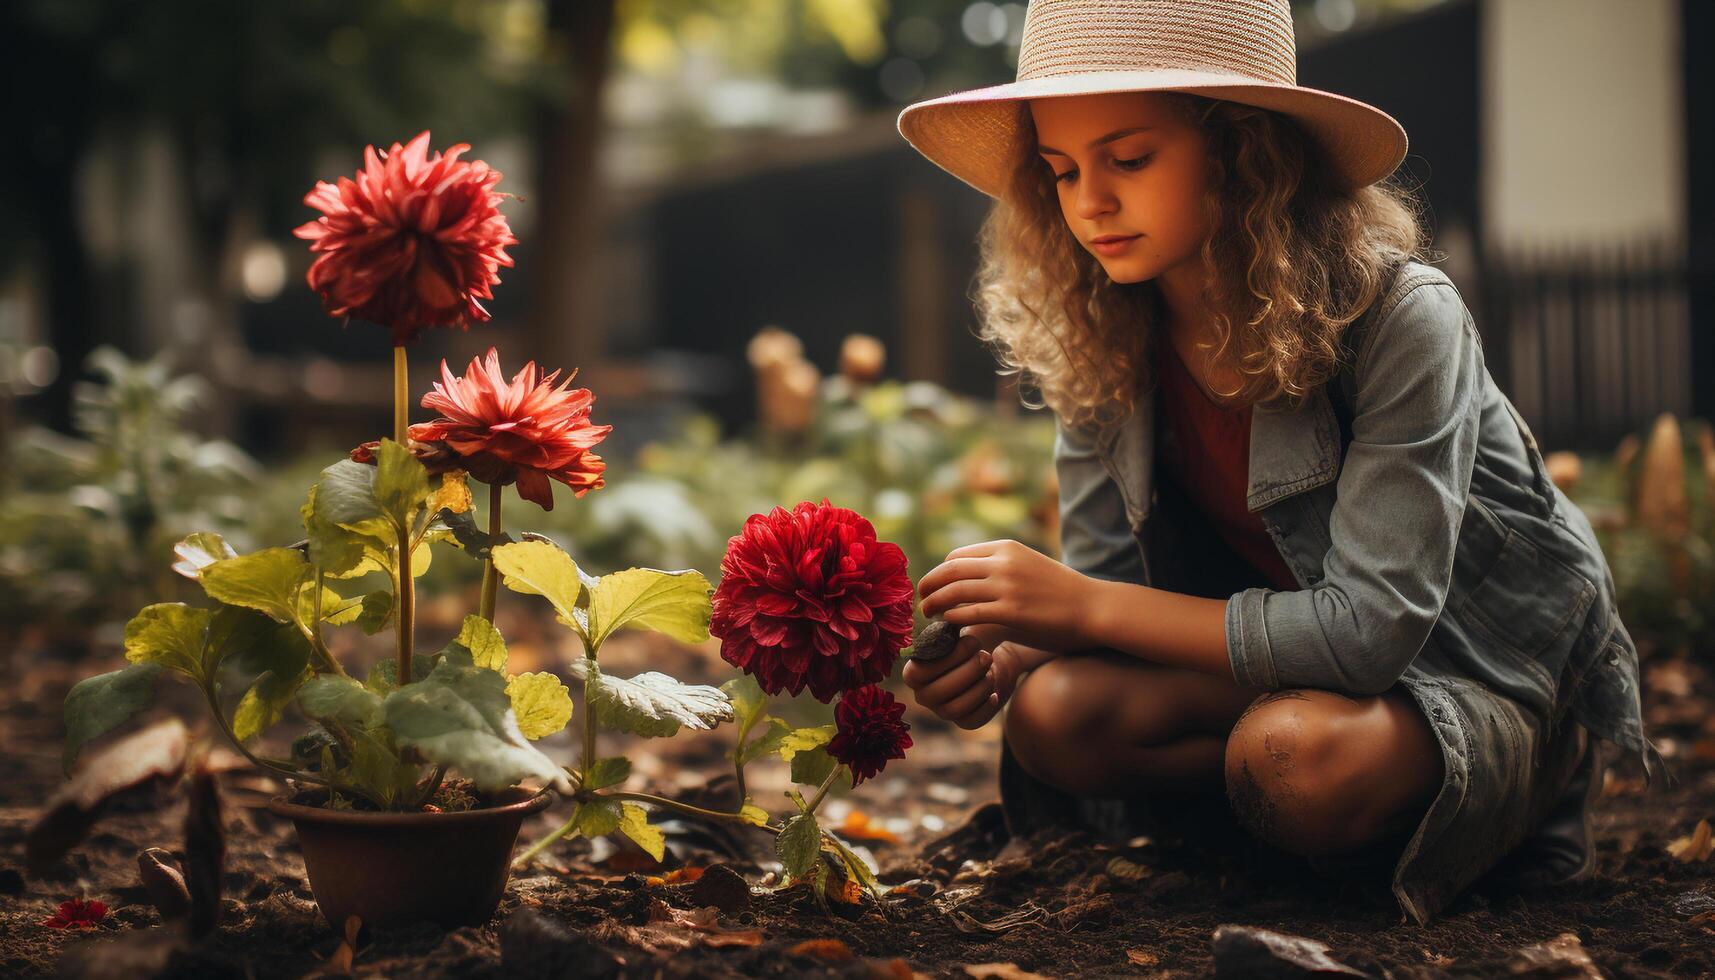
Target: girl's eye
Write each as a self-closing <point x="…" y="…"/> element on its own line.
<point x="1136" y="164"/>
<point x="1065" y="177"/>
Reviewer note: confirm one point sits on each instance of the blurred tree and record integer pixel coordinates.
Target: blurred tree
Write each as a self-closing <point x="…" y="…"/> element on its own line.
<point x="246" y="94"/>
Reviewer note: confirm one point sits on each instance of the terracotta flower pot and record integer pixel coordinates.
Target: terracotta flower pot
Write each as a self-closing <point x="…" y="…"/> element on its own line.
<point x="394" y="869"/>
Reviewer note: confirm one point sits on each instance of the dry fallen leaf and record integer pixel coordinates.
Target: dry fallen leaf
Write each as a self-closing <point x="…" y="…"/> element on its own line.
<point x="847" y="892"/>
<point x="1142" y="957"/>
<point x="1002" y="971"/>
<point x="666" y="925"/>
<point x="1126" y="869"/>
<point x="130" y="764"/>
<point x="826" y="950"/>
<point x="1695" y="847"/>
<point x="340" y="961"/>
<point x="687" y="874"/>
<point x="857" y="826"/>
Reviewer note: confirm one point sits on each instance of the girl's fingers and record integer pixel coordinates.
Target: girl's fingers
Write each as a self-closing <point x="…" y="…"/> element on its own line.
<point x="953" y="683"/>
<point x="974" y="613"/>
<point x="970" y="700"/>
<point x="981" y="549"/>
<point x="918" y="673"/>
<point x="958" y="593"/>
<point x="981" y="716"/>
<point x="952" y="570"/>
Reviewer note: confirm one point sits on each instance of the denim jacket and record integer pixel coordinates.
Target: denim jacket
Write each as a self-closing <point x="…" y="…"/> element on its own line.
<point x="1412" y="505"/>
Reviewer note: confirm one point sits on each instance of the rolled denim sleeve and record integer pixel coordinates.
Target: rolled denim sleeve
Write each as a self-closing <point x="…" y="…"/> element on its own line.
<point x="1395" y="523"/>
<point x="1095" y="535"/>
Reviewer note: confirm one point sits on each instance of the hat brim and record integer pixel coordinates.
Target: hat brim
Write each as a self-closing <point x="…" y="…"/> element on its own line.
<point x="970" y="134"/>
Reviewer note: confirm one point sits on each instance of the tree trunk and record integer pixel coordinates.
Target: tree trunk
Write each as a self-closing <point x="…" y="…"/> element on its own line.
<point x="565" y="310"/>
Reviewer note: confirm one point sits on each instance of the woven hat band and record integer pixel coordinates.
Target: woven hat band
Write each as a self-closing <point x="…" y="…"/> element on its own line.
<point x="1248" y="38"/>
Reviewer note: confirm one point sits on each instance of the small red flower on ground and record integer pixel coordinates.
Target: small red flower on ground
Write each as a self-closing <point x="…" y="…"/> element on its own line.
<point x="525" y="430"/>
<point x="415" y="241"/>
<point x="77" y="914"/>
<point x="810" y="596"/>
<point x="870" y="732"/>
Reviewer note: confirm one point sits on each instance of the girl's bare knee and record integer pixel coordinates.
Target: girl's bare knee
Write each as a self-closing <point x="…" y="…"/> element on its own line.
<point x="1286" y="779"/>
<point x="1050" y="724"/>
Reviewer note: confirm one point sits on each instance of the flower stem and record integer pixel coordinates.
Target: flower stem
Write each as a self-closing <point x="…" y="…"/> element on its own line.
<point x="816" y="801"/>
<point x="407" y="606"/>
<point x="490" y="576"/>
<point x="589" y="718"/>
<point x="685" y="808"/>
<point x="524" y="859"/>
<point x="401" y="396"/>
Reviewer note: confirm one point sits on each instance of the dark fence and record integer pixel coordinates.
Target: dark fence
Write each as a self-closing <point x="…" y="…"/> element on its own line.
<point x="1590" y="344"/>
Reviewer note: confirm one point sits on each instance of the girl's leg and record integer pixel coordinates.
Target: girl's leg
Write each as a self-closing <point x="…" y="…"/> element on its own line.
<point x="1315" y="772"/>
<point x="1105" y="724"/>
<point x="1309" y="771"/>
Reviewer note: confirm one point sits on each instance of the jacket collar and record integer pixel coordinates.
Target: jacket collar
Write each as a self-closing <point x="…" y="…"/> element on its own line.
<point x="1292" y="450"/>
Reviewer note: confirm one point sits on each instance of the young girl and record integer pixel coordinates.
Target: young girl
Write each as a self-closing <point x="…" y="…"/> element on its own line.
<point x="1311" y="556"/>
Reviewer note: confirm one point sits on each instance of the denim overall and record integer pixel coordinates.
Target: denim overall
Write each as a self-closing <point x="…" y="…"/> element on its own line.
<point x="1431" y="551"/>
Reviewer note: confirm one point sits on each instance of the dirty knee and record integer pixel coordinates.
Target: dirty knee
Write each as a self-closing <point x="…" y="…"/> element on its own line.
<point x="1280" y="765"/>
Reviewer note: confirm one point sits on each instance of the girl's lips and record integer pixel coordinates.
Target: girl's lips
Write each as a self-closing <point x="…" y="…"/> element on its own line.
<point x="1114" y="246"/>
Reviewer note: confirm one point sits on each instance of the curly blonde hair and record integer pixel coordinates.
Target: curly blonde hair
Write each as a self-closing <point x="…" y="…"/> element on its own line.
<point x="1294" y="260"/>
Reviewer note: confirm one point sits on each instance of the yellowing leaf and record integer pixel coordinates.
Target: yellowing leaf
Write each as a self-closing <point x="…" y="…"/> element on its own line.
<point x="453" y="494"/>
<point x="542" y="704"/>
<point x="487" y="647"/>
<point x="634" y="823"/>
<point x="539" y="568"/>
<point x="170" y="634"/>
<point x="804" y="739"/>
<point x="674" y="603"/>
<point x="753" y="814"/>
<point x="1697" y="846"/>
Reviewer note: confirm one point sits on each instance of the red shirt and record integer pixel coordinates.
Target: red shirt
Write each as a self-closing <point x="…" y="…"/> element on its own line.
<point x="1210" y="459"/>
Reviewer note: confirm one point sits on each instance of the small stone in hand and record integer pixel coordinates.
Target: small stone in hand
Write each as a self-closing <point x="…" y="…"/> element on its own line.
<point x="936" y="641"/>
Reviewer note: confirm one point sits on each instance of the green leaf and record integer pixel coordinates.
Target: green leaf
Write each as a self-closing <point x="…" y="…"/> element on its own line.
<point x="812" y="766"/>
<point x="765" y="743"/>
<point x="607" y="772"/>
<point x="169" y="634"/>
<point x="377" y="612"/>
<point x="461" y="717"/>
<point x="674" y="603"/>
<point x="487" y="647"/>
<point x="340" y="699"/>
<point x="805" y="739"/>
<point x="264" y="703"/>
<point x="383" y="678"/>
<point x="466" y="535"/>
<point x="798" y="844"/>
<point x="748" y="702"/>
<point x="97" y="705"/>
<point x="271" y="581"/>
<point x="597" y="817"/>
<point x="200" y="550"/>
<point x="375" y="768"/>
<point x="539" y="568"/>
<point x="652" y="703"/>
<point x="754" y="815"/>
<point x="541" y="702"/>
<point x="857" y="867"/>
<point x="634" y="823"/>
<point x="401" y="483"/>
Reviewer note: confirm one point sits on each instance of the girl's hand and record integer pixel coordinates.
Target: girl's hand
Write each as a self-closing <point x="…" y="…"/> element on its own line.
<point x="1006" y="584"/>
<point x="970" y="685"/>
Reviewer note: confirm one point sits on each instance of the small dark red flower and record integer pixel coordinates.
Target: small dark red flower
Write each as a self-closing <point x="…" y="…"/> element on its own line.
<point x="870" y="732"/>
<point x="810" y="596"/>
<point x="77" y="914"/>
<point x="415" y="241"/>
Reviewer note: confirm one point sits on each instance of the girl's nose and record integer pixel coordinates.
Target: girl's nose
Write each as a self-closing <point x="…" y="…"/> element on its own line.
<point x="1094" y="199"/>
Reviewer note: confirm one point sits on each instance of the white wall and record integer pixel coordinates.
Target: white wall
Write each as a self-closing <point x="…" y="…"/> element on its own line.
<point x="1582" y="120"/>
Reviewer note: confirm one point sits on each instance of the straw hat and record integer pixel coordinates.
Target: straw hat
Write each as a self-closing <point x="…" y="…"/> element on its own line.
<point x="1238" y="50"/>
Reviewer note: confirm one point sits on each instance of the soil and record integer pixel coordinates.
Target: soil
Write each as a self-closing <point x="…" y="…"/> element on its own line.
<point x="964" y="901"/>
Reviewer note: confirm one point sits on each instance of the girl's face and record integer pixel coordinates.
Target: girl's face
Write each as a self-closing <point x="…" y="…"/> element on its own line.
<point x="1130" y="175"/>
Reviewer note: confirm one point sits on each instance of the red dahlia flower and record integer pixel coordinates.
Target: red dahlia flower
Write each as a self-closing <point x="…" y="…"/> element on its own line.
<point x="414" y="241"/>
<point x="812" y="596"/>
<point x="77" y="914"/>
<point x="525" y="430"/>
<point x="870" y="732"/>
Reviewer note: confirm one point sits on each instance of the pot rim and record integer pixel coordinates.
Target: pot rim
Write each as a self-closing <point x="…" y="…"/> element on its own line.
<point x="534" y="803"/>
